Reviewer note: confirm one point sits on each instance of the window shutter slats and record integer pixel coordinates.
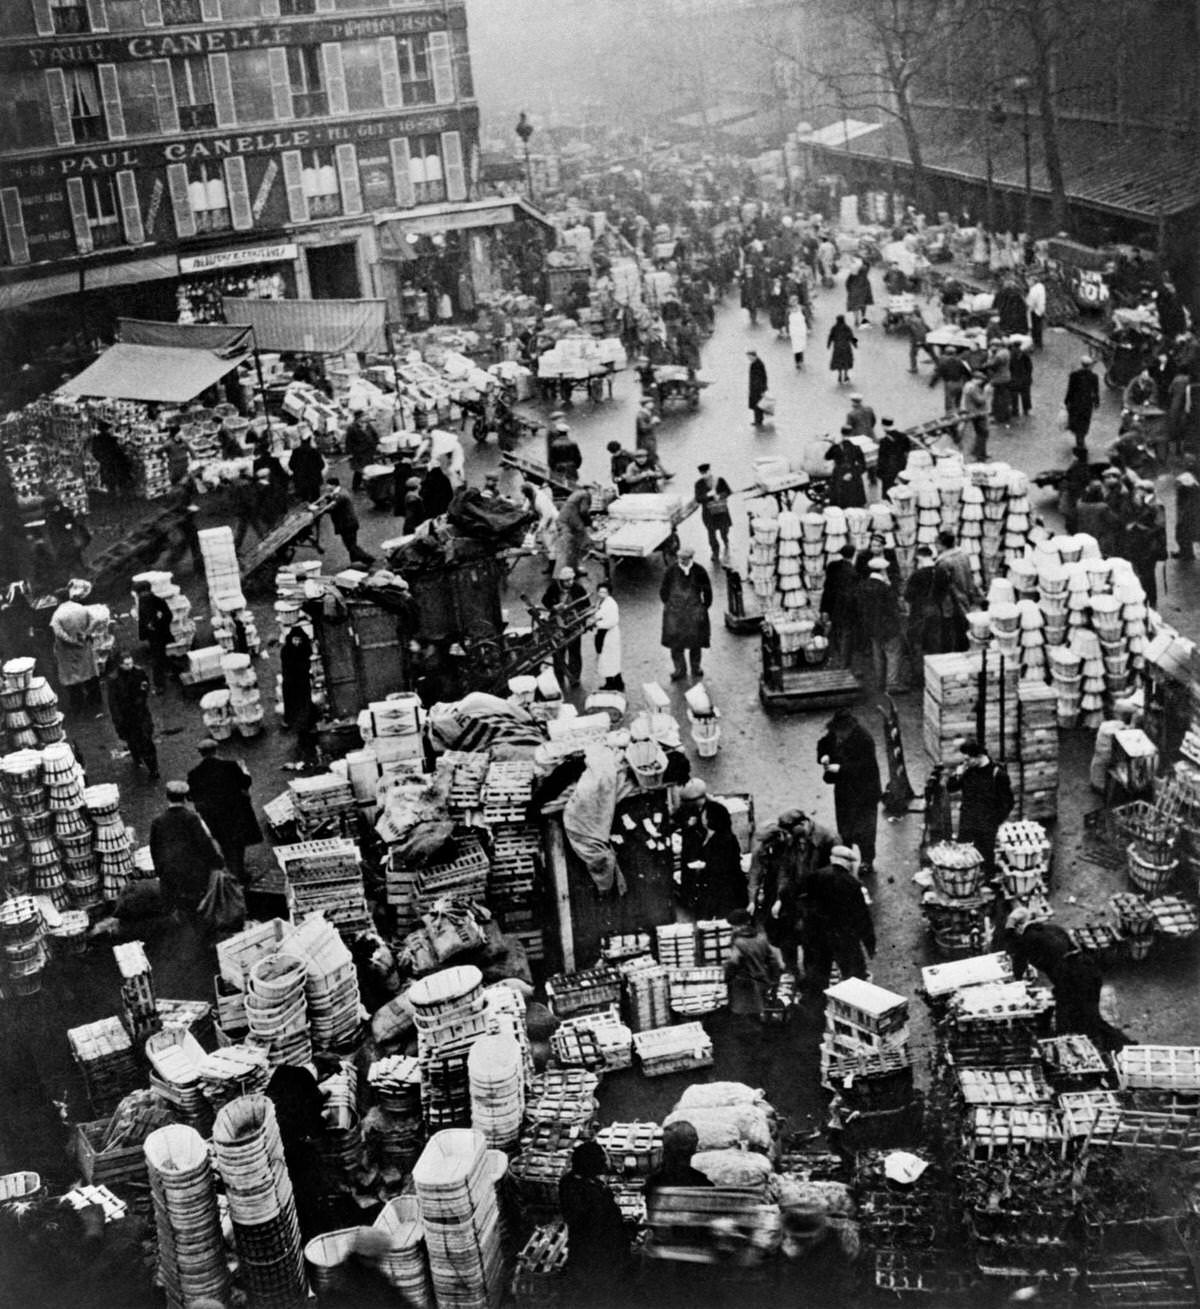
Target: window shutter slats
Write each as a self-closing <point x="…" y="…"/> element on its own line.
<point x="443" y="67"/>
<point x="177" y="184"/>
<point x="347" y="166"/>
<point x="77" y="201"/>
<point x="389" y="67"/>
<point x="164" y="95"/>
<point x="222" y="88"/>
<point x="405" y="196"/>
<point x="60" y="111"/>
<point x="110" y="94"/>
<point x="281" y="83"/>
<point x="14" y="225"/>
<point x="131" y="207"/>
<point x="452" y="166"/>
<point x="293" y="181"/>
<point x="335" y="78"/>
<point x="238" y="190"/>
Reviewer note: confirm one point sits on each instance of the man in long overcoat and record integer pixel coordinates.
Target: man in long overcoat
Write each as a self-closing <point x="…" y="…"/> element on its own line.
<point x="182" y="851"/>
<point x="847" y="753"/>
<point x="687" y="596"/>
<point x="758" y="385"/>
<point x="220" y="790"/>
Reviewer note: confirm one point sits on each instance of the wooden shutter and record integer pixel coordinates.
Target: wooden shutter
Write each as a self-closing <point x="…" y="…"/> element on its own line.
<point x="238" y="190"/>
<point x="443" y="67"/>
<point x="347" y="166"/>
<point x="131" y="207"/>
<point x="452" y="166"/>
<point x="389" y="68"/>
<point x="281" y="82"/>
<point x="14" y="225"/>
<point x="181" y="206"/>
<point x="79" y="218"/>
<point x="60" y="111"/>
<point x="110" y="95"/>
<point x="335" y="78"/>
<point x="164" y="95"/>
<point x="210" y="11"/>
<point x="293" y="181"/>
<point x="222" y="88"/>
<point x="404" y="187"/>
<point x="152" y="13"/>
<point x="97" y="15"/>
<point x="43" y="19"/>
<point x="269" y="9"/>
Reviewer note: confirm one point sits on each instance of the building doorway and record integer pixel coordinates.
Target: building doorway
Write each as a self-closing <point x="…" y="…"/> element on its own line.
<point x="333" y="272"/>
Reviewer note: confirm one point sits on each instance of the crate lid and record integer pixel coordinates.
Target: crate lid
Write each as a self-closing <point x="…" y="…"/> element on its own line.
<point x="868" y="997"/>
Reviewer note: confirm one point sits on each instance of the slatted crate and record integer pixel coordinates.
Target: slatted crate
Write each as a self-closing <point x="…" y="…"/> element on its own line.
<point x="632" y="1148"/>
<point x="1138" y="1129"/>
<point x="673" y="1049"/>
<point x="879" y="1080"/>
<point x="697" y="991"/>
<point x="1021" y="1085"/>
<point x="1143" y="1282"/>
<point x="539" y="1273"/>
<point x="919" y="1272"/>
<point x="538" y="1172"/>
<point x="1083" y="1111"/>
<point x="675" y="945"/>
<point x="613" y="1039"/>
<point x="576" y="1047"/>
<point x="622" y="946"/>
<point x="465" y="771"/>
<point x="124" y="1166"/>
<point x="868" y="1007"/>
<point x="1159" y="1067"/>
<point x="1072" y="1062"/>
<point x="584" y="991"/>
<point x="941" y="981"/>
<point x="895" y="1219"/>
<point x="507" y="791"/>
<point x="989" y="1128"/>
<point x="711" y="1226"/>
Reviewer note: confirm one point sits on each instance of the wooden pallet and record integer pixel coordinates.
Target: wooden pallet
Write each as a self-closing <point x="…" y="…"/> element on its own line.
<point x="1138" y="1129"/>
<point x="796" y="691"/>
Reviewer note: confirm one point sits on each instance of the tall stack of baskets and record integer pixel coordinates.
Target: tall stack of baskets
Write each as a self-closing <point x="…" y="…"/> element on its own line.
<point x="277" y="1011"/>
<point x="113" y="842"/>
<point x="262" y="1208"/>
<point x="331" y="982"/>
<point x="457" y="1201"/>
<point x="958" y="905"/>
<point x="451" y="1014"/>
<point x="494" y="1067"/>
<point x="406" y="1264"/>
<point x="22" y="935"/>
<point x="191" y="1251"/>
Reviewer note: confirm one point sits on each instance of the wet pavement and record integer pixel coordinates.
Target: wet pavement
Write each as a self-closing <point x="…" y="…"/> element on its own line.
<point x="773" y="758"/>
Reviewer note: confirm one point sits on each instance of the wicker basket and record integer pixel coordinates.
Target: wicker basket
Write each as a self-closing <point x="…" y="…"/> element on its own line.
<point x="20" y="1186"/>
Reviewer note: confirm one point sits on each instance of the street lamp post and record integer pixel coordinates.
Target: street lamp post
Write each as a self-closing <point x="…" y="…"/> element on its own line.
<point x="1021" y="85"/>
<point x="524" y="130"/>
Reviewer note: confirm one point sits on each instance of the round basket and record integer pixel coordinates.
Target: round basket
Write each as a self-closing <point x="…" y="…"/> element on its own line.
<point x="1148" y="876"/>
<point x="18" y="673"/>
<point x="277" y="978"/>
<point x="324" y="1255"/>
<point x="20" y="1186"/>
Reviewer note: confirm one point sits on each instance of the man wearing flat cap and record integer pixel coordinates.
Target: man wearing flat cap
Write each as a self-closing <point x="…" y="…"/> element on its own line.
<point x="837" y="921"/>
<point x="182" y="851"/>
<point x="221" y="793"/>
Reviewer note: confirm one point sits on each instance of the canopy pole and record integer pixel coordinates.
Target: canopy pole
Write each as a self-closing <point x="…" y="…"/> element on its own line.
<point x="391" y="340"/>
<point x="262" y="386"/>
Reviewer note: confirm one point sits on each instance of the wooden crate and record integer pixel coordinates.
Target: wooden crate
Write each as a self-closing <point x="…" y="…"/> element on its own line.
<point x="123" y="1167"/>
<point x="1018" y="1085"/>
<point x="1159" y="1067"/>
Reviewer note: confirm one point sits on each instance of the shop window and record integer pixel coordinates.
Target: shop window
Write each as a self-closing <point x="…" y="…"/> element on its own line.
<point x="293" y="8"/>
<point x="178" y="13"/>
<point x="70" y="17"/>
<point x="208" y="199"/>
<point x="364" y="77"/>
<point x="193" y="93"/>
<point x="84" y="104"/>
<point x="416" y="76"/>
<point x="308" y="85"/>
<point x="250" y="78"/>
<point x="320" y="180"/>
<point x="425" y="169"/>
<point x="24" y="112"/>
<point x="103" y="211"/>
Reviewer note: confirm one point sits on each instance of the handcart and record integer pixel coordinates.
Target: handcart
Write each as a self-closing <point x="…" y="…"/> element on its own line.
<point x="626" y="537"/>
<point x="899" y="308"/>
<point x="675" y="385"/>
<point x="301" y="526"/>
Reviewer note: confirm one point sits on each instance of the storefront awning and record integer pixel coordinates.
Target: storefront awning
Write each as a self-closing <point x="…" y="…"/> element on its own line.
<point x="164" y="374"/>
<point x="496" y="211"/>
<point x="217" y="337"/>
<point x="154" y="269"/>
<point x="312" y="326"/>
<point x="14" y="294"/>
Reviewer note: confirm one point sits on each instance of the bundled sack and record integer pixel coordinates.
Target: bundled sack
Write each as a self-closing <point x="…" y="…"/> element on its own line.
<point x="722" y="1127"/>
<point x="711" y="1095"/>
<point x="452" y="928"/>
<point x="742" y="1169"/>
<point x="832" y="1198"/>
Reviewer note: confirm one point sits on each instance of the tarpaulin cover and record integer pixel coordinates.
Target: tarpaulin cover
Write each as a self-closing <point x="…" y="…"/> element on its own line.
<point x="312" y="326"/>
<point x="151" y="372"/>
<point x="588" y="820"/>
<point x="201" y="336"/>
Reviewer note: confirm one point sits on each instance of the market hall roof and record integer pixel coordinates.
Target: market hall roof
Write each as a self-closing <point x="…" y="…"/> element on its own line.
<point x="166" y="374"/>
<point x="1150" y="176"/>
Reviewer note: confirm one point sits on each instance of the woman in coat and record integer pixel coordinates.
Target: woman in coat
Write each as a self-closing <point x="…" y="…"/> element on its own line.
<point x="295" y="664"/>
<point x="717" y="886"/>
<point x="571" y="531"/>
<point x="608" y="640"/>
<point x="129" y="705"/>
<point x="71" y="626"/>
<point x="841" y="342"/>
<point x="858" y="292"/>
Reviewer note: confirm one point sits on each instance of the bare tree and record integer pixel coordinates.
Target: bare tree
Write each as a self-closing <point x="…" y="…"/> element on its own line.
<point x="873" y="57"/>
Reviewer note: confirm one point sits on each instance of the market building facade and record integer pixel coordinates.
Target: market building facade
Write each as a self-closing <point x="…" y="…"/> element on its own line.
<point x="178" y="149"/>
